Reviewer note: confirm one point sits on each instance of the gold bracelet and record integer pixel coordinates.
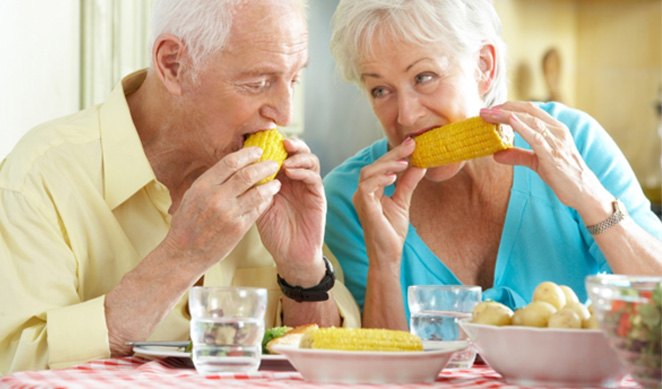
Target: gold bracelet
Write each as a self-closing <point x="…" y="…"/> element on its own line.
<point x="619" y="213"/>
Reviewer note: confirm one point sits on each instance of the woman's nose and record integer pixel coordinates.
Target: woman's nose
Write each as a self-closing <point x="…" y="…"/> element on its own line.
<point x="410" y="109"/>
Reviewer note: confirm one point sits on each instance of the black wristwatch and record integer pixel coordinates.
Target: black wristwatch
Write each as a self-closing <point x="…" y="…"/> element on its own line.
<point x="318" y="292"/>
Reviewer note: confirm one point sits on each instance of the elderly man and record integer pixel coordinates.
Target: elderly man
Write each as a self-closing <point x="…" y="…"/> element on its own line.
<point x="110" y="215"/>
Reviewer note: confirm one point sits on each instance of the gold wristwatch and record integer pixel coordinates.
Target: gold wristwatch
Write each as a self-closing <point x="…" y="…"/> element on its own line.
<point x="619" y="213"/>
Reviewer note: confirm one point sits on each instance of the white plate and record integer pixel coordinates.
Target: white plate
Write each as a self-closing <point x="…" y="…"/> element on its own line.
<point x="373" y="367"/>
<point x="173" y="349"/>
<point x="160" y="351"/>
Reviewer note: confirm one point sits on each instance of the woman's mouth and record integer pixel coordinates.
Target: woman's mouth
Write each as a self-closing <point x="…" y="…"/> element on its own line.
<point x="422" y="131"/>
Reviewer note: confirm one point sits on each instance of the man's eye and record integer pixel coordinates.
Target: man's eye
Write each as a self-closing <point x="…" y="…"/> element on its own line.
<point x="258" y="85"/>
<point x="378" y="92"/>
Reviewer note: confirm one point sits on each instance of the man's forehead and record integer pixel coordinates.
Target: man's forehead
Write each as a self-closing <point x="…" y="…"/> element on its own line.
<point x="255" y="13"/>
<point x="270" y="27"/>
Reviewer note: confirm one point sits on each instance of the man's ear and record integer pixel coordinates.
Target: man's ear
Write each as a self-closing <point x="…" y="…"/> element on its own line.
<point x="168" y="57"/>
<point x="486" y="68"/>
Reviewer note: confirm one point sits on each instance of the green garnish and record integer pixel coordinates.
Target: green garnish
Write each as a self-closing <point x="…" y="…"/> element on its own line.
<point x="273" y="333"/>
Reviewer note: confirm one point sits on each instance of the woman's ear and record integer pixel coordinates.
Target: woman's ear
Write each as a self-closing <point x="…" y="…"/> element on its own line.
<point x="486" y="68"/>
<point x="168" y="57"/>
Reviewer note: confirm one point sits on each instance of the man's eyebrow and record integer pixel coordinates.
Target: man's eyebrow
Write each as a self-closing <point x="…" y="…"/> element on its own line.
<point x="266" y="70"/>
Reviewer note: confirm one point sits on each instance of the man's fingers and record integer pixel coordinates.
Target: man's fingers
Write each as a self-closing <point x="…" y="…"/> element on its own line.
<point x="231" y="163"/>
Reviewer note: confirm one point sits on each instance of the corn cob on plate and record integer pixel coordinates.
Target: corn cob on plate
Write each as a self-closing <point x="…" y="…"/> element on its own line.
<point x="271" y="143"/>
<point x="459" y="141"/>
<point x="360" y="339"/>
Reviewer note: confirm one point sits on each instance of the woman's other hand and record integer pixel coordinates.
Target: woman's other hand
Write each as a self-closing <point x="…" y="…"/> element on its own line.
<point x="385" y="220"/>
<point x="553" y="153"/>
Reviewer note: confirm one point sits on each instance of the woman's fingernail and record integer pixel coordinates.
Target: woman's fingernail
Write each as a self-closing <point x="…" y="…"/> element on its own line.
<point x="408" y="140"/>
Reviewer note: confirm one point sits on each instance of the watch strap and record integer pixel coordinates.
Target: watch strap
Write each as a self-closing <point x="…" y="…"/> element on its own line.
<point x="617" y="215"/>
<point x="318" y="292"/>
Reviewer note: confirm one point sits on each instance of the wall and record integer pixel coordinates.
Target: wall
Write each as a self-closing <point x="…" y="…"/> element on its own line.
<point x="338" y="118"/>
<point x="619" y="76"/>
<point x="529" y="29"/>
<point x="612" y="67"/>
<point x="39" y="71"/>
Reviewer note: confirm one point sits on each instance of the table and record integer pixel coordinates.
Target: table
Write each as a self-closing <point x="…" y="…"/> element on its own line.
<point x="142" y="372"/>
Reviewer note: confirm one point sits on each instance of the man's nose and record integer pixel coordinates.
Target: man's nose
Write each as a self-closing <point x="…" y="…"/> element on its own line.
<point x="410" y="109"/>
<point x="278" y="107"/>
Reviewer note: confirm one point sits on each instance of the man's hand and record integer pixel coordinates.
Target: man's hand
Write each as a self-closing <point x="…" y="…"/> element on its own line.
<point x="214" y="215"/>
<point x="221" y="205"/>
<point x="292" y="229"/>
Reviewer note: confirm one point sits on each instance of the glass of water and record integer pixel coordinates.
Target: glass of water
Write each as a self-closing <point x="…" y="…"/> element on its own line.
<point x="435" y="310"/>
<point x="227" y="325"/>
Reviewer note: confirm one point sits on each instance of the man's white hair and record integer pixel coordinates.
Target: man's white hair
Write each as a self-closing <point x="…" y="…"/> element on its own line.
<point x="461" y="26"/>
<point x="202" y="25"/>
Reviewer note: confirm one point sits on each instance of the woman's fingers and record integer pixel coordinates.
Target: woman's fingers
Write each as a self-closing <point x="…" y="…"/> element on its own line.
<point x="517" y="156"/>
<point x="406" y="185"/>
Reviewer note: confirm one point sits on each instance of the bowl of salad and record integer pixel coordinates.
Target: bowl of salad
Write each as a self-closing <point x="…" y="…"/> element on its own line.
<point x="629" y="310"/>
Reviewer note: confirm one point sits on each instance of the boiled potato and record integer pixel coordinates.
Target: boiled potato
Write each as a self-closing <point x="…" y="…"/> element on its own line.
<point x="591" y="323"/>
<point x="579" y="309"/>
<point x="536" y="314"/>
<point x="570" y="296"/>
<point x="492" y="313"/>
<point x="551" y="293"/>
<point x="565" y="318"/>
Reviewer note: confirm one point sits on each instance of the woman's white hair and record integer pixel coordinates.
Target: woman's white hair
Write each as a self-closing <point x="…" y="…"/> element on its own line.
<point x="203" y="25"/>
<point x="462" y="26"/>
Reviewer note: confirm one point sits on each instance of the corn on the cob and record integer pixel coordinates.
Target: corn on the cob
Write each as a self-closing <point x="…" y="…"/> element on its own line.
<point x="361" y="339"/>
<point x="271" y="143"/>
<point x="459" y="141"/>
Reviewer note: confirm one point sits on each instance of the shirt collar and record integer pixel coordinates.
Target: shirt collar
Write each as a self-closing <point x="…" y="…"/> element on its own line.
<point x="125" y="166"/>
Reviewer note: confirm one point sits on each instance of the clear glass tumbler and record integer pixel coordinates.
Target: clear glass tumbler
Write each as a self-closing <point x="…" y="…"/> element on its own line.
<point x="227" y="326"/>
<point x="435" y="310"/>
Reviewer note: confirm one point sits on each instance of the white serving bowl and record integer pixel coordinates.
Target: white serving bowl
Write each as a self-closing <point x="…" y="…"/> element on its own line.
<point x="531" y="356"/>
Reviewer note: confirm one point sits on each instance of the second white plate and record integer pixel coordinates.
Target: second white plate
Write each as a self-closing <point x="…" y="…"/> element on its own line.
<point x="353" y="367"/>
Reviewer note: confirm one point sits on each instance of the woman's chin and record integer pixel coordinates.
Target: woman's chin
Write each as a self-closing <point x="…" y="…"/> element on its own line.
<point x="443" y="173"/>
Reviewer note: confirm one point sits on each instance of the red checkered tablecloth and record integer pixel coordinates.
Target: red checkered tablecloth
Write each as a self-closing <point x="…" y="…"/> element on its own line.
<point x="139" y="372"/>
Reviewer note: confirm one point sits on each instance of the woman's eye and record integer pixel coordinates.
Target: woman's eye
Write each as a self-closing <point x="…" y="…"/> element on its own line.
<point x="378" y="92"/>
<point x="423" y="78"/>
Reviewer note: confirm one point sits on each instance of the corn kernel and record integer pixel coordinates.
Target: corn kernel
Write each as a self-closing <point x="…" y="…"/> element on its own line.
<point x="459" y="141"/>
<point x="271" y="143"/>
<point x="361" y="339"/>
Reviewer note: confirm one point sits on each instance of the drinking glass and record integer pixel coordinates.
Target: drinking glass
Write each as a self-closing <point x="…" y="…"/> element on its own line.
<point x="435" y="310"/>
<point x="227" y="326"/>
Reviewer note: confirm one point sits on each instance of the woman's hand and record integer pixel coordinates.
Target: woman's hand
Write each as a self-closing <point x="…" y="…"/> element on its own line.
<point x="554" y="155"/>
<point x="384" y="219"/>
<point x="628" y="248"/>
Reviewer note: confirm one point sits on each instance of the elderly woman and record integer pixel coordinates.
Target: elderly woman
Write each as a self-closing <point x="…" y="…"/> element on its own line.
<point x="562" y="204"/>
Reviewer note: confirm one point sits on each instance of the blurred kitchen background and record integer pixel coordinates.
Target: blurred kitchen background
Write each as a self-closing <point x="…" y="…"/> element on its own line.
<point x="601" y="56"/>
